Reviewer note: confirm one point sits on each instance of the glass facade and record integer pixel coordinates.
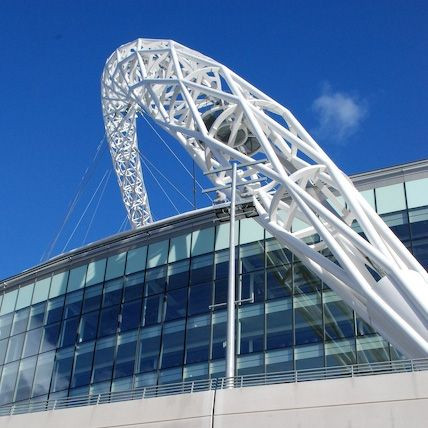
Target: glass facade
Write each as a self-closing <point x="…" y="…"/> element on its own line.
<point x="144" y="316"/>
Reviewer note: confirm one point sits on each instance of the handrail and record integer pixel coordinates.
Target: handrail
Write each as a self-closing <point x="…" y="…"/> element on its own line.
<point x="190" y="387"/>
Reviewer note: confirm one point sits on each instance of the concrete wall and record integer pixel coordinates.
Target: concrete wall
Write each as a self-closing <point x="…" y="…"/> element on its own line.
<point x="394" y="400"/>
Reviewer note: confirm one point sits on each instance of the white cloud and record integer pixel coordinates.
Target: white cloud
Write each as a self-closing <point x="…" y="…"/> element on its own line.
<point x="339" y="114"/>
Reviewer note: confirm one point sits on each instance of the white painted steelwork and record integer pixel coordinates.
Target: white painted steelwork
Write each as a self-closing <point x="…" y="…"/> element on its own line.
<point x="218" y="118"/>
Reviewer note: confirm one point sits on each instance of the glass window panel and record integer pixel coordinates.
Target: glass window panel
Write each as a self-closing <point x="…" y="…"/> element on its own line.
<point x="279" y="282"/>
<point x="217" y="368"/>
<point x="76" y="392"/>
<point x="92" y="298"/>
<point x="368" y="195"/>
<point x="198" y="339"/>
<point x="95" y="272"/>
<point x="41" y="290"/>
<point x="131" y="313"/>
<point x="417" y="193"/>
<point x="149" y="349"/>
<point x="32" y="342"/>
<point x="25" y="379"/>
<point x="77" y="278"/>
<point x="50" y="337"/>
<point x="99" y="388"/>
<point x="136" y="260"/>
<point x="8" y="303"/>
<point x="54" y="310"/>
<point x="14" y="348"/>
<point x="82" y="364"/>
<point x="42" y="378"/>
<point x="252" y="257"/>
<point x="73" y="303"/>
<point x="20" y="321"/>
<point x="201" y="269"/>
<point x="195" y="372"/>
<point x="250" y="231"/>
<point x="250" y="364"/>
<point x="155" y="281"/>
<point x="178" y="274"/>
<point x="222" y="236"/>
<point x="220" y="291"/>
<point x="219" y="334"/>
<point x="69" y="332"/>
<point x="37" y="315"/>
<point x="363" y="328"/>
<point x="5" y="325"/>
<point x="112" y="292"/>
<point x="419" y="222"/>
<point x="200" y="299"/>
<point x="133" y="288"/>
<point x="170" y="376"/>
<point x="157" y="254"/>
<point x="251" y="328"/>
<point x="398" y="223"/>
<point x="115" y="266"/>
<point x="62" y="369"/>
<point x="104" y="359"/>
<point x="308" y="319"/>
<point x="202" y="241"/>
<point x="125" y="356"/>
<point x="279" y="323"/>
<point x="153" y="310"/>
<point x="280" y="360"/>
<point x="276" y="253"/>
<point x="304" y="280"/>
<point x="390" y="198"/>
<point x="146" y="379"/>
<point x="108" y="321"/>
<point x="179" y="248"/>
<point x="371" y="349"/>
<point x="123" y="384"/>
<point x="338" y="317"/>
<point x="222" y="264"/>
<point x="3" y="348"/>
<point x="340" y="352"/>
<point x="309" y="356"/>
<point x="58" y="285"/>
<point x="88" y="326"/>
<point x="176" y="304"/>
<point x="252" y="286"/>
<point x="420" y="251"/>
<point x="24" y="296"/>
<point x="173" y="344"/>
<point x="7" y="383"/>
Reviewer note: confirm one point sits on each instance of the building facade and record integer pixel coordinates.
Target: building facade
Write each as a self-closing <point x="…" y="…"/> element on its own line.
<point x="146" y="307"/>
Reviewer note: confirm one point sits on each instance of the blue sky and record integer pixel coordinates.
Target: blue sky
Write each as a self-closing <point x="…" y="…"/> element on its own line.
<point x="354" y="73"/>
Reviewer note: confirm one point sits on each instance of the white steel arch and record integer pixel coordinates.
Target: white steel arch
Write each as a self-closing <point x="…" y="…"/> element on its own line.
<point x="220" y="118"/>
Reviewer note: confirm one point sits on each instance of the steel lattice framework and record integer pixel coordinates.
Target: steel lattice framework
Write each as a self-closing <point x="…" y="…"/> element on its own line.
<point x="219" y="118"/>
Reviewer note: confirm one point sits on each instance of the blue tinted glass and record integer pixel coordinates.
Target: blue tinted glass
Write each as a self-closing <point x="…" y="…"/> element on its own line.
<point x="155" y="281"/>
<point x="178" y="274"/>
<point x="276" y="254"/>
<point x="222" y="264"/>
<point x="220" y="291"/>
<point x="200" y="299"/>
<point x="5" y="325"/>
<point x="304" y="280"/>
<point x="279" y="282"/>
<point x="398" y="222"/>
<point x="176" y="304"/>
<point x="73" y="303"/>
<point x="251" y="328"/>
<point x="82" y="365"/>
<point x="253" y="286"/>
<point x="340" y="352"/>
<point x="103" y="359"/>
<point x="197" y="339"/>
<point x="92" y="299"/>
<point x="131" y="313"/>
<point x="308" y="318"/>
<point x="420" y="251"/>
<point x="170" y="376"/>
<point x="25" y="379"/>
<point x="252" y="256"/>
<point x="3" y="348"/>
<point x="7" y="383"/>
<point x="149" y="349"/>
<point x="153" y="310"/>
<point x="42" y="378"/>
<point x="62" y="369"/>
<point x="50" y="337"/>
<point x="113" y="292"/>
<point x="37" y="315"/>
<point x="108" y="321"/>
<point x="134" y="285"/>
<point x="69" y="332"/>
<point x="173" y="344"/>
<point x="20" y="321"/>
<point x="125" y="356"/>
<point x="88" y="326"/>
<point x="338" y="317"/>
<point x="54" y="310"/>
<point x="219" y="334"/>
<point x="14" y="348"/>
<point x="279" y="323"/>
<point x="201" y="269"/>
<point x="32" y="342"/>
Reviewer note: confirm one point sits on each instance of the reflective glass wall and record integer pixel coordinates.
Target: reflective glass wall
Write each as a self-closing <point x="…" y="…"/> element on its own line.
<point x="153" y="314"/>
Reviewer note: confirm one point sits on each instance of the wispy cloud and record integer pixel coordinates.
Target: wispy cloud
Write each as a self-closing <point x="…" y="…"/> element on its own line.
<point x="339" y="114"/>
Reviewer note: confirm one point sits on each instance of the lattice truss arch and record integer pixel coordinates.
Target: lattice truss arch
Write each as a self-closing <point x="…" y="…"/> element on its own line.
<point x="219" y="118"/>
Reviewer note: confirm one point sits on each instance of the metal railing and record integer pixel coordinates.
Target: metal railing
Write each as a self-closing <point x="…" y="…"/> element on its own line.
<point x="367" y="369"/>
